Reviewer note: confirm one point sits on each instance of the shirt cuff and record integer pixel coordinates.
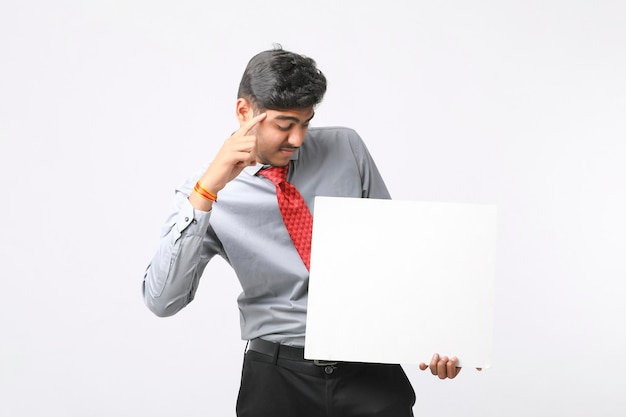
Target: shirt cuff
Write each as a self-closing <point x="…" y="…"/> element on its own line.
<point x="191" y="221"/>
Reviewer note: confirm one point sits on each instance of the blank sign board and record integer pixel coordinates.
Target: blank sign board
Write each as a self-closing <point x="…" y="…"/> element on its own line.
<point x="397" y="281"/>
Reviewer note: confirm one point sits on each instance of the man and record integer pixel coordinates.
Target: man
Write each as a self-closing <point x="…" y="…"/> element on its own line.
<point x="235" y="210"/>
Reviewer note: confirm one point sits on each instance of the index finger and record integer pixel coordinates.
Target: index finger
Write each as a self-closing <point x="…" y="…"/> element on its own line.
<point x="252" y="122"/>
<point x="433" y="364"/>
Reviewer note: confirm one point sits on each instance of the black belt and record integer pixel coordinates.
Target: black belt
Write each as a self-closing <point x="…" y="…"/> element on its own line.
<point x="279" y="351"/>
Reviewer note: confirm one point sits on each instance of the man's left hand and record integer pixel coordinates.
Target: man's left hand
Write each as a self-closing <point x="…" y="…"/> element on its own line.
<point x="443" y="367"/>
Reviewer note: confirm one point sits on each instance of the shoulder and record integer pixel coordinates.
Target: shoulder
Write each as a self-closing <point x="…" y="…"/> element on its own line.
<point x="343" y="143"/>
<point x="333" y="136"/>
<point x="333" y="132"/>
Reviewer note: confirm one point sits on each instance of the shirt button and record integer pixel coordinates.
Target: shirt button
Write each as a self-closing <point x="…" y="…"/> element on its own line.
<point x="186" y="219"/>
<point x="329" y="370"/>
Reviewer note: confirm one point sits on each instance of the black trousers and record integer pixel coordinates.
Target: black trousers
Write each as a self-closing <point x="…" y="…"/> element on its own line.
<point x="274" y="386"/>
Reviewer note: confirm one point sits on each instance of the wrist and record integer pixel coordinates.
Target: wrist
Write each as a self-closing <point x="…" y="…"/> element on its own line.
<point x="200" y="203"/>
<point x="204" y="192"/>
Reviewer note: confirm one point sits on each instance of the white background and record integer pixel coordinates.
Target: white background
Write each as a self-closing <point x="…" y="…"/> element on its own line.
<point x="105" y="106"/>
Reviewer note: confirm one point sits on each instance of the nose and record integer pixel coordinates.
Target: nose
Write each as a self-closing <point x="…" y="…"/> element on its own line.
<point x="296" y="136"/>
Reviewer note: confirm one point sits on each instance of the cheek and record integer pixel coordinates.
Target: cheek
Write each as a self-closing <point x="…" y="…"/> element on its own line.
<point x="269" y="140"/>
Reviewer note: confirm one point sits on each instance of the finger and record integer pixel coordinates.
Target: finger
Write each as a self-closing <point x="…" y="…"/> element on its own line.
<point x="452" y="370"/>
<point x="252" y="155"/>
<point x="423" y="366"/>
<point x="246" y="157"/>
<point x="249" y="125"/>
<point x="245" y="144"/>
<point x="442" y="368"/>
<point x="433" y="364"/>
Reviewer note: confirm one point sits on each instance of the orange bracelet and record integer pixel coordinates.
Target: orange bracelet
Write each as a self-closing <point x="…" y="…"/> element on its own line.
<point x="204" y="193"/>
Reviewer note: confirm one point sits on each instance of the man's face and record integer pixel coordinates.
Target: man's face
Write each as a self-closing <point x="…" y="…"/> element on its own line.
<point x="281" y="134"/>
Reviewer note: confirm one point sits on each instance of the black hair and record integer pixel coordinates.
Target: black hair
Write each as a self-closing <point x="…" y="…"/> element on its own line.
<point x="281" y="80"/>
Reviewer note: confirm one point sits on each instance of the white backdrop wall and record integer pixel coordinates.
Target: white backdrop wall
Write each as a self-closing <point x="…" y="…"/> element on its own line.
<point x="105" y="106"/>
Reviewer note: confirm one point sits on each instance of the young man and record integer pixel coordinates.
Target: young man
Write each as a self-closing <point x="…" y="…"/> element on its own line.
<point x="235" y="210"/>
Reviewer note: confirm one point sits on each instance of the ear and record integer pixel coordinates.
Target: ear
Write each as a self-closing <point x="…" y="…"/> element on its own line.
<point x="243" y="111"/>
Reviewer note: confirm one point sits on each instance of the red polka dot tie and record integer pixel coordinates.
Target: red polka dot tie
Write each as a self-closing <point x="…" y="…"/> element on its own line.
<point x="294" y="210"/>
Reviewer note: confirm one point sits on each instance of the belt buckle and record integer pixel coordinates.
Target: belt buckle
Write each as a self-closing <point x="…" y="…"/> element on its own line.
<point x="319" y="362"/>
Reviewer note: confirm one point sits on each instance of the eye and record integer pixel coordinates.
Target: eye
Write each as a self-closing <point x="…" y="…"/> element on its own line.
<point x="284" y="128"/>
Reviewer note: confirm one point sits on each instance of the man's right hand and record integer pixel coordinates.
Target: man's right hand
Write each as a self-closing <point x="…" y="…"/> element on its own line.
<point x="237" y="152"/>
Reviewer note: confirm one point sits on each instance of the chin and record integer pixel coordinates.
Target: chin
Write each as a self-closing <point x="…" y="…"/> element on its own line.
<point x="280" y="162"/>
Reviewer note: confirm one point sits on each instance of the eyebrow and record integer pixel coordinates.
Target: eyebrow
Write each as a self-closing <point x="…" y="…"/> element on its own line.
<point x="293" y="118"/>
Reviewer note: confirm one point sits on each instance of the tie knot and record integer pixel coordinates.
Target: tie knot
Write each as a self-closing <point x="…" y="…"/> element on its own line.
<point x="275" y="174"/>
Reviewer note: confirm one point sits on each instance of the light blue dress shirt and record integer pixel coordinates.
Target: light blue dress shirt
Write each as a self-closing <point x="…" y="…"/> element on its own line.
<point x="245" y="227"/>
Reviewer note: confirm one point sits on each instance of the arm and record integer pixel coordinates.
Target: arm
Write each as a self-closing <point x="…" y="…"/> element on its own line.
<point x="183" y="251"/>
<point x="187" y="241"/>
<point x="373" y="185"/>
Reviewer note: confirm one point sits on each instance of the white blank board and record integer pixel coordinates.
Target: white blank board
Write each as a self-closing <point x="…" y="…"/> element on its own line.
<point x="397" y="281"/>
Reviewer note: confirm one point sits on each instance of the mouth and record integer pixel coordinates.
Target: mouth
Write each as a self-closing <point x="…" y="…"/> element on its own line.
<point x="288" y="150"/>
